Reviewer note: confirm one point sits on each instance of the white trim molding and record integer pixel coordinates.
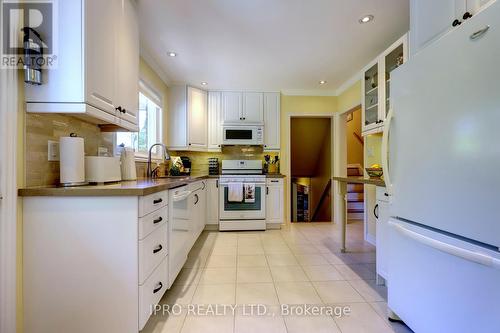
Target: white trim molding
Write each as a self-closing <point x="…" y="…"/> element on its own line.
<point x="8" y="201"/>
<point x="149" y="59"/>
<point x="303" y="92"/>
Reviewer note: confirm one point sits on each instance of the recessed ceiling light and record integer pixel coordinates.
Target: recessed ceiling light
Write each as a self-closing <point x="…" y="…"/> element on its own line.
<point x="322" y="82"/>
<point x="172" y="54"/>
<point x="204" y="83"/>
<point x="366" y="19"/>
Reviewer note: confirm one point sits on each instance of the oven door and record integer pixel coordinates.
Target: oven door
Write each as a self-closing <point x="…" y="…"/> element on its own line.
<point x="242" y="135"/>
<point x="243" y="210"/>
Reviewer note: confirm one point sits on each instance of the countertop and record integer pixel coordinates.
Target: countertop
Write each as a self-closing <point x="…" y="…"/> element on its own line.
<point x="361" y="180"/>
<point x="138" y="187"/>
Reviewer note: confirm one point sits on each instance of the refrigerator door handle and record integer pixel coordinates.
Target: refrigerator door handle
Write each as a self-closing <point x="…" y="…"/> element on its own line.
<point x="456" y="251"/>
<point x="385" y="151"/>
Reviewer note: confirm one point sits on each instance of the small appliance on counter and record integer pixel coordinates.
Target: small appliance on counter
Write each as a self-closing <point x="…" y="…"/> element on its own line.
<point x="213" y="166"/>
<point x="72" y="160"/>
<point x="186" y="166"/>
<point x="102" y="169"/>
<point x="127" y="159"/>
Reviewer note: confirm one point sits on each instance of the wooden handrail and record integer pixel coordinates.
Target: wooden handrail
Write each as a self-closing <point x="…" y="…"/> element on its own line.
<point x="357" y="136"/>
<point x="323" y="196"/>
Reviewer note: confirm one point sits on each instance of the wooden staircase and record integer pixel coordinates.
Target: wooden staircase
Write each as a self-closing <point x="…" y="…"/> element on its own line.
<point x="355" y="195"/>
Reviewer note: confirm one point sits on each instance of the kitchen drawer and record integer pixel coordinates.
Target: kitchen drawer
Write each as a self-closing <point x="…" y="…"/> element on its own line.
<point x="381" y="194"/>
<point x="152" y="202"/>
<point x="274" y="181"/>
<point x="152" y="221"/>
<point x="151" y="292"/>
<point x="152" y="250"/>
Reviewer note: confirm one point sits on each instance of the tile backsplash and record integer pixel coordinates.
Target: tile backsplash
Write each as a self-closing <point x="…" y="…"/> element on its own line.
<point x="199" y="160"/>
<point x="40" y="128"/>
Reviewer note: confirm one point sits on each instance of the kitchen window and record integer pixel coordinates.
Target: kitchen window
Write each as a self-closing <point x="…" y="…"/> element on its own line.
<point x="150" y="125"/>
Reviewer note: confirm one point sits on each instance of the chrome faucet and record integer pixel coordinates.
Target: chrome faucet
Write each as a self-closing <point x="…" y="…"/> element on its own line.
<point x="166" y="157"/>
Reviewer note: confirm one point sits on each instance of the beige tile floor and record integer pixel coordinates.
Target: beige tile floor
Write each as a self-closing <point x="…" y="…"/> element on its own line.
<point x="300" y="264"/>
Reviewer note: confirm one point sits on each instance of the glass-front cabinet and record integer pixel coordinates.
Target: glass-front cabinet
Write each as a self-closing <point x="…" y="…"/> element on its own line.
<point x="376" y="85"/>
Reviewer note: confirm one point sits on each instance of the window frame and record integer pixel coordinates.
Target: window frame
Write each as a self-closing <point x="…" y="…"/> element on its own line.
<point x="154" y="96"/>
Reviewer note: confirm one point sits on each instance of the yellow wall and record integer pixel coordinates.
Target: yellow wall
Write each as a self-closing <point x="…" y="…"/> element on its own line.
<point x="354" y="146"/>
<point x="149" y="76"/>
<point x="350" y="98"/>
<point x="20" y="183"/>
<point x="299" y="105"/>
<point x="374" y="144"/>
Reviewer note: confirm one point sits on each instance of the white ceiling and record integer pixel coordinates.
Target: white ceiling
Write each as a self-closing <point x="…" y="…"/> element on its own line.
<point x="286" y="45"/>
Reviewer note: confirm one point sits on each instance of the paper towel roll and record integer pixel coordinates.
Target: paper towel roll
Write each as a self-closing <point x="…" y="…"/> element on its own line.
<point x="72" y="160"/>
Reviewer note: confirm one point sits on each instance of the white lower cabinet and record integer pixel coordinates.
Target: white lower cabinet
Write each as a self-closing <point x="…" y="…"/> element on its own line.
<point x="382" y="211"/>
<point x="151" y="292"/>
<point x="93" y="264"/>
<point x="212" y="221"/>
<point x="274" y="203"/>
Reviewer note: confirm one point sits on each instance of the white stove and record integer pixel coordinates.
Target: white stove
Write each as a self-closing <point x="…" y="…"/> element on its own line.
<point x="249" y="213"/>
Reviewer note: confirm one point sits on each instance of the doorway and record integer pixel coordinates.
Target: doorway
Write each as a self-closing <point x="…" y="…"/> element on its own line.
<point x="355" y="164"/>
<point x="310" y="169"/>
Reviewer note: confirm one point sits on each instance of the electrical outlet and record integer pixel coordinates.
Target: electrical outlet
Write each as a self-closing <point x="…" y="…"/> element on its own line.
<point x="53" y="151"/>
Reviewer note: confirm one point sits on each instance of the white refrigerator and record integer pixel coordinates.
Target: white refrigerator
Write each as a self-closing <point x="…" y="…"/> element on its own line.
<point x="442" y="137"/>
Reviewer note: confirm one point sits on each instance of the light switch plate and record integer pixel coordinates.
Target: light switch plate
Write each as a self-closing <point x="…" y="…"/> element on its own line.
<point x="53" y="151"/>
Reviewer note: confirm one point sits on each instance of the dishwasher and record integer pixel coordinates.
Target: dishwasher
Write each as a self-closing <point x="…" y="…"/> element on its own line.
<point x="179" y="230"/>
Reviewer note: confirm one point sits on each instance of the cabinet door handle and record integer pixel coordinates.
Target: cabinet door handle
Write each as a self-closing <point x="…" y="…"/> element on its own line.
<point x="467" y="16"/>
<point x="197" y="199"/>
<point x="456" y="23"/>
<point x="267" y="190"/>
<point x="479" y="33"/>
<point x="157" y="249"/>
<point x="158" y="220"/>
<point x="119" y="109"/>
<point x="217" y="183"/>
<point x="375" y="211"/>
<point x="157" y="201"/>
<point x="160" y="285"/>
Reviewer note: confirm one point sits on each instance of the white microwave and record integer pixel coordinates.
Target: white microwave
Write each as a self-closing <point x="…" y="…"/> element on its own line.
<point x="243" y="135"/>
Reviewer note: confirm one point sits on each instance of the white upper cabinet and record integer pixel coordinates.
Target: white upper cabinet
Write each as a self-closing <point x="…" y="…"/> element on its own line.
<point x="232" y="107"/>
<point x="100" y="53"/>
<point x="253" y="108"/>
<point x="272" y="121"/>
<point x="197" y="118"/>
<point x="97" y="64"/>
<point x="127" y="78"/>
<point x="177" y="135"/>
<point x="214" y="120"/>
<point x="376" y="87"/>
<point x="187" y="119"/>
<point x="242" y="107"/>
<point x="430" y="19"/>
